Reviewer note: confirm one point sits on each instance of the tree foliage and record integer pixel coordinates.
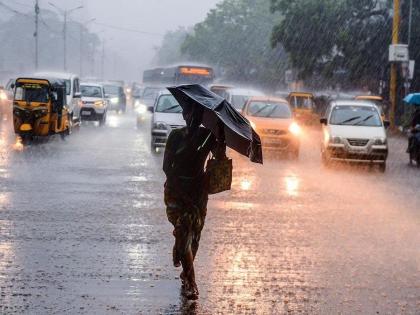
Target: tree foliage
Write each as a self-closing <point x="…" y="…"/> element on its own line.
<point x="170" y="50"/>
<point x="235" y="37"/>
<point x="330" y="36"/>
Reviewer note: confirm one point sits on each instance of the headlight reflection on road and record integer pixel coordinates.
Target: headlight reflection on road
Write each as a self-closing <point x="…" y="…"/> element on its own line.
<point x="246" y="184"/>
<point x="292" y="184"/>
<point x="112" y="121"/>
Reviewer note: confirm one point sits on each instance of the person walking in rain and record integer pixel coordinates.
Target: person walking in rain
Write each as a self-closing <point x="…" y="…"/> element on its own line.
<point x="186" y="193"/>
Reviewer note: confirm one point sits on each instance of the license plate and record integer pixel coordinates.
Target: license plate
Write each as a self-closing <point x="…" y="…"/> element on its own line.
<point x="358" y="150"/>
<point x="86" y="113"/>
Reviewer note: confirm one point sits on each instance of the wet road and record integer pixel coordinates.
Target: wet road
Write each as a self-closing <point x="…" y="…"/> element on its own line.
<point x="83" y="230"/>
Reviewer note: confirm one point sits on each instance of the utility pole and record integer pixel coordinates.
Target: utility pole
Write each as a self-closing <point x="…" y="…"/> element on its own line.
<point x="36" y="34"/>
<point x="410" y="21"/>
<point x="82" y="43"/>
<point x="394" y="65"/>
<point x="103" y="60"/>
<point x="65" y="12"/>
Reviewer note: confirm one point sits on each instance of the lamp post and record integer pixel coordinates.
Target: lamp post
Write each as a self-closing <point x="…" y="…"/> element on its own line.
<point x="65" y="13"/>
<point x="393" y="82"/>
<point x="81" y="44"/>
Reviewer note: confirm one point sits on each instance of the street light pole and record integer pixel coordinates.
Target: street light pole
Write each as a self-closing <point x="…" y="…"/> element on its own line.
<point x="65" y="13"/>
<point x="36" y="35"/>
<point x="410" y="21"/>
<point x="81" y="44"/>
<point x="103" y="60"/>
<point x="394" y="69"/>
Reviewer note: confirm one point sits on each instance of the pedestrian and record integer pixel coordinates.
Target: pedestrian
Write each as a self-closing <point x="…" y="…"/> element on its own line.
<point x="186" y="192"/>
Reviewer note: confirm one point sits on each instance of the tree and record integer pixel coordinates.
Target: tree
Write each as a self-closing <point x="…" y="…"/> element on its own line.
<point x="325" y="37"/>
<point x="235" y="38"/>
<point x="170" y="50"/>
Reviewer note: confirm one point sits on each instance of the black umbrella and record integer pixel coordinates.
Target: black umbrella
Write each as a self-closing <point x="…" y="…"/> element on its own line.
<point x="238" y="132"/>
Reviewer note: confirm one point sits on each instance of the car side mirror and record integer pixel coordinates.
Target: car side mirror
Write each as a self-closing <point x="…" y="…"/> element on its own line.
<point x="150" y="109"/>
<point x="12" y="86"/>
<point x="387" y="123"/>
<point x="77" y="95"/>
<point x="323" y="121"/>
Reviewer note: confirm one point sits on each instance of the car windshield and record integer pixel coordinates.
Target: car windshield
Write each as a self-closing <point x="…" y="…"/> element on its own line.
<point x="151" y="93"/>
<point x="304" y="102"/>
<point x="112" y="89"/>
<point x="168" y="104"/>
<point x="32" y="93"/>
<point x="349" y="115"/>
<point x="269" y="109"/>
<point x="91" y="91"/>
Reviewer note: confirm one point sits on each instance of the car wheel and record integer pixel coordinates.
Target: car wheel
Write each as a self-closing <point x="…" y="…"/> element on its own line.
<point x="325" y="160"/>
<point x="102" y="120"/>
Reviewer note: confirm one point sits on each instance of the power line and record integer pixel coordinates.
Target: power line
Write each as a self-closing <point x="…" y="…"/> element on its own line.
<point x="13" y="10"/>
<point x="119" y="28"/>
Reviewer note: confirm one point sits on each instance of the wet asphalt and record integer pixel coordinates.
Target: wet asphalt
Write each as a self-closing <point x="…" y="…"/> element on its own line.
<point x="83" y="230"/>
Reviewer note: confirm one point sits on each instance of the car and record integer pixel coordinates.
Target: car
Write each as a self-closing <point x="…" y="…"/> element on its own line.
<point x="273" y="120"/>
<point x="355" y="132"/>
<point x="73" y="98"/>
<point x="167" y="116"/>
<point x="146" y="102"/>
<point x="116" y="96"/>
<point x="235" y="96"/>
<point x="94" y="103"/>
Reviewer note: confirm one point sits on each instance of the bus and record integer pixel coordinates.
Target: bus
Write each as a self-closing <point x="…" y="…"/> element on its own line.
<point x="180" y="74"/>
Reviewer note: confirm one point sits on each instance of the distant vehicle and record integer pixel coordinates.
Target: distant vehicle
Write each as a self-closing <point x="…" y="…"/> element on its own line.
<point x="414" y="148"/>
<point x="303" y="105"/>
<point x="73" y="95"/>
<point x="146" y="102"/>
<point x="167" y="115"/>
<point x="179" y="74"/>
<point x="39" y="108"/>
<point x="377" y="100"/>
<point x="273" y="119"/>
<point x="116" y="96"/>
<point x="235" y="96"/>
<point x="94" y="103"/>
<point x="354" y="132"/>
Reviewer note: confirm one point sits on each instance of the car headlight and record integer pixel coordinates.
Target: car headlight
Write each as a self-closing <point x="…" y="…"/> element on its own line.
<point x="3" y="96"/>
<point x="253" y="125"/>
<point x="99" y="104"/>
<point x="115" y="100"/>
<point x="160" y="126"/>
<point x="380" y="141"/>
<point x="137" y="103"/>
<point x="336" y="140"/>
<point x="295" y="129"/>
<point x="141" y="109"/>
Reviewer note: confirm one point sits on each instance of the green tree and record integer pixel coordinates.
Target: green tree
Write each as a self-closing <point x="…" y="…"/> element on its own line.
<point x="170" y="50"/>
<point x="324" y="37"/>
<point x="235" y="38"/>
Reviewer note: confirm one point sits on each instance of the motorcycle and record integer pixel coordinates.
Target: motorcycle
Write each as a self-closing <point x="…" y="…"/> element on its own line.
<point x="414" y="146"/>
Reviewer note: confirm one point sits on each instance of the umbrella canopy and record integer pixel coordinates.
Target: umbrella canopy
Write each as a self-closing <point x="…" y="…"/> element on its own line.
<point x="238" y="132"/>
<point x="413" y="99"/>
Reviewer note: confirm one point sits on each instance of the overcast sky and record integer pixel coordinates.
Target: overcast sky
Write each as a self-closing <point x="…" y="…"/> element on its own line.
<point x="153" y="16"/>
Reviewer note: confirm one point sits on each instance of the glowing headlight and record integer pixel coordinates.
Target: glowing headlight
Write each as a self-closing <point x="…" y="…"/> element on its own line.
<point x="380" y="141"/>
<point x="3" y="96"/>
<point x="99" y="103"/>
<point x="137" y="103"/>
<point x="253" y="125"/>
<point x="335" y="140"/>
<point x="115" y="100"/>
<point x="160" y="126"/>
<point x="141" y="109"/>
<point x="294" y="129"/>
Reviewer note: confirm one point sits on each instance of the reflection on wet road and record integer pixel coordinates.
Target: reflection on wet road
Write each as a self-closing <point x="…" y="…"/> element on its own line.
<point x="83" y="230"/>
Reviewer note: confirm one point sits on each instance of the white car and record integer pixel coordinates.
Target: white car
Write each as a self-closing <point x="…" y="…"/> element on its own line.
<point x="94" y="103"/>
<point x="238" y="97"/>
<point x="72" y="91"/>
<point x="354" y="131"/>
<point x="167" y="116"/>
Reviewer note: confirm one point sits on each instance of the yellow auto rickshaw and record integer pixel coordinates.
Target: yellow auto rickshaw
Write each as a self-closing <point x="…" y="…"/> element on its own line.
<point x="39" y="108"/>
<point x="377" y="100"/>
<point x="303" y="105"/>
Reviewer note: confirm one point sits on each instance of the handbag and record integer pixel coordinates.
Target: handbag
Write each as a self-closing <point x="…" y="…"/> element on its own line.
<point x="219" y="175"/>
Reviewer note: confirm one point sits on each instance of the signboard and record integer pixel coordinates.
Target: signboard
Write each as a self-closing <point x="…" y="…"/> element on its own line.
<point x="398" y="53"/>
<point x="411" y="68"/>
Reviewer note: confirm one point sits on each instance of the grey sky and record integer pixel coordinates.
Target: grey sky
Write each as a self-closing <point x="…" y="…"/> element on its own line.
<point x="134" y="52"/>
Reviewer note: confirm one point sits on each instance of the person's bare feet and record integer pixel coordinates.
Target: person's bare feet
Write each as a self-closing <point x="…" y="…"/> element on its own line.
<point x="190" y="291"/>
